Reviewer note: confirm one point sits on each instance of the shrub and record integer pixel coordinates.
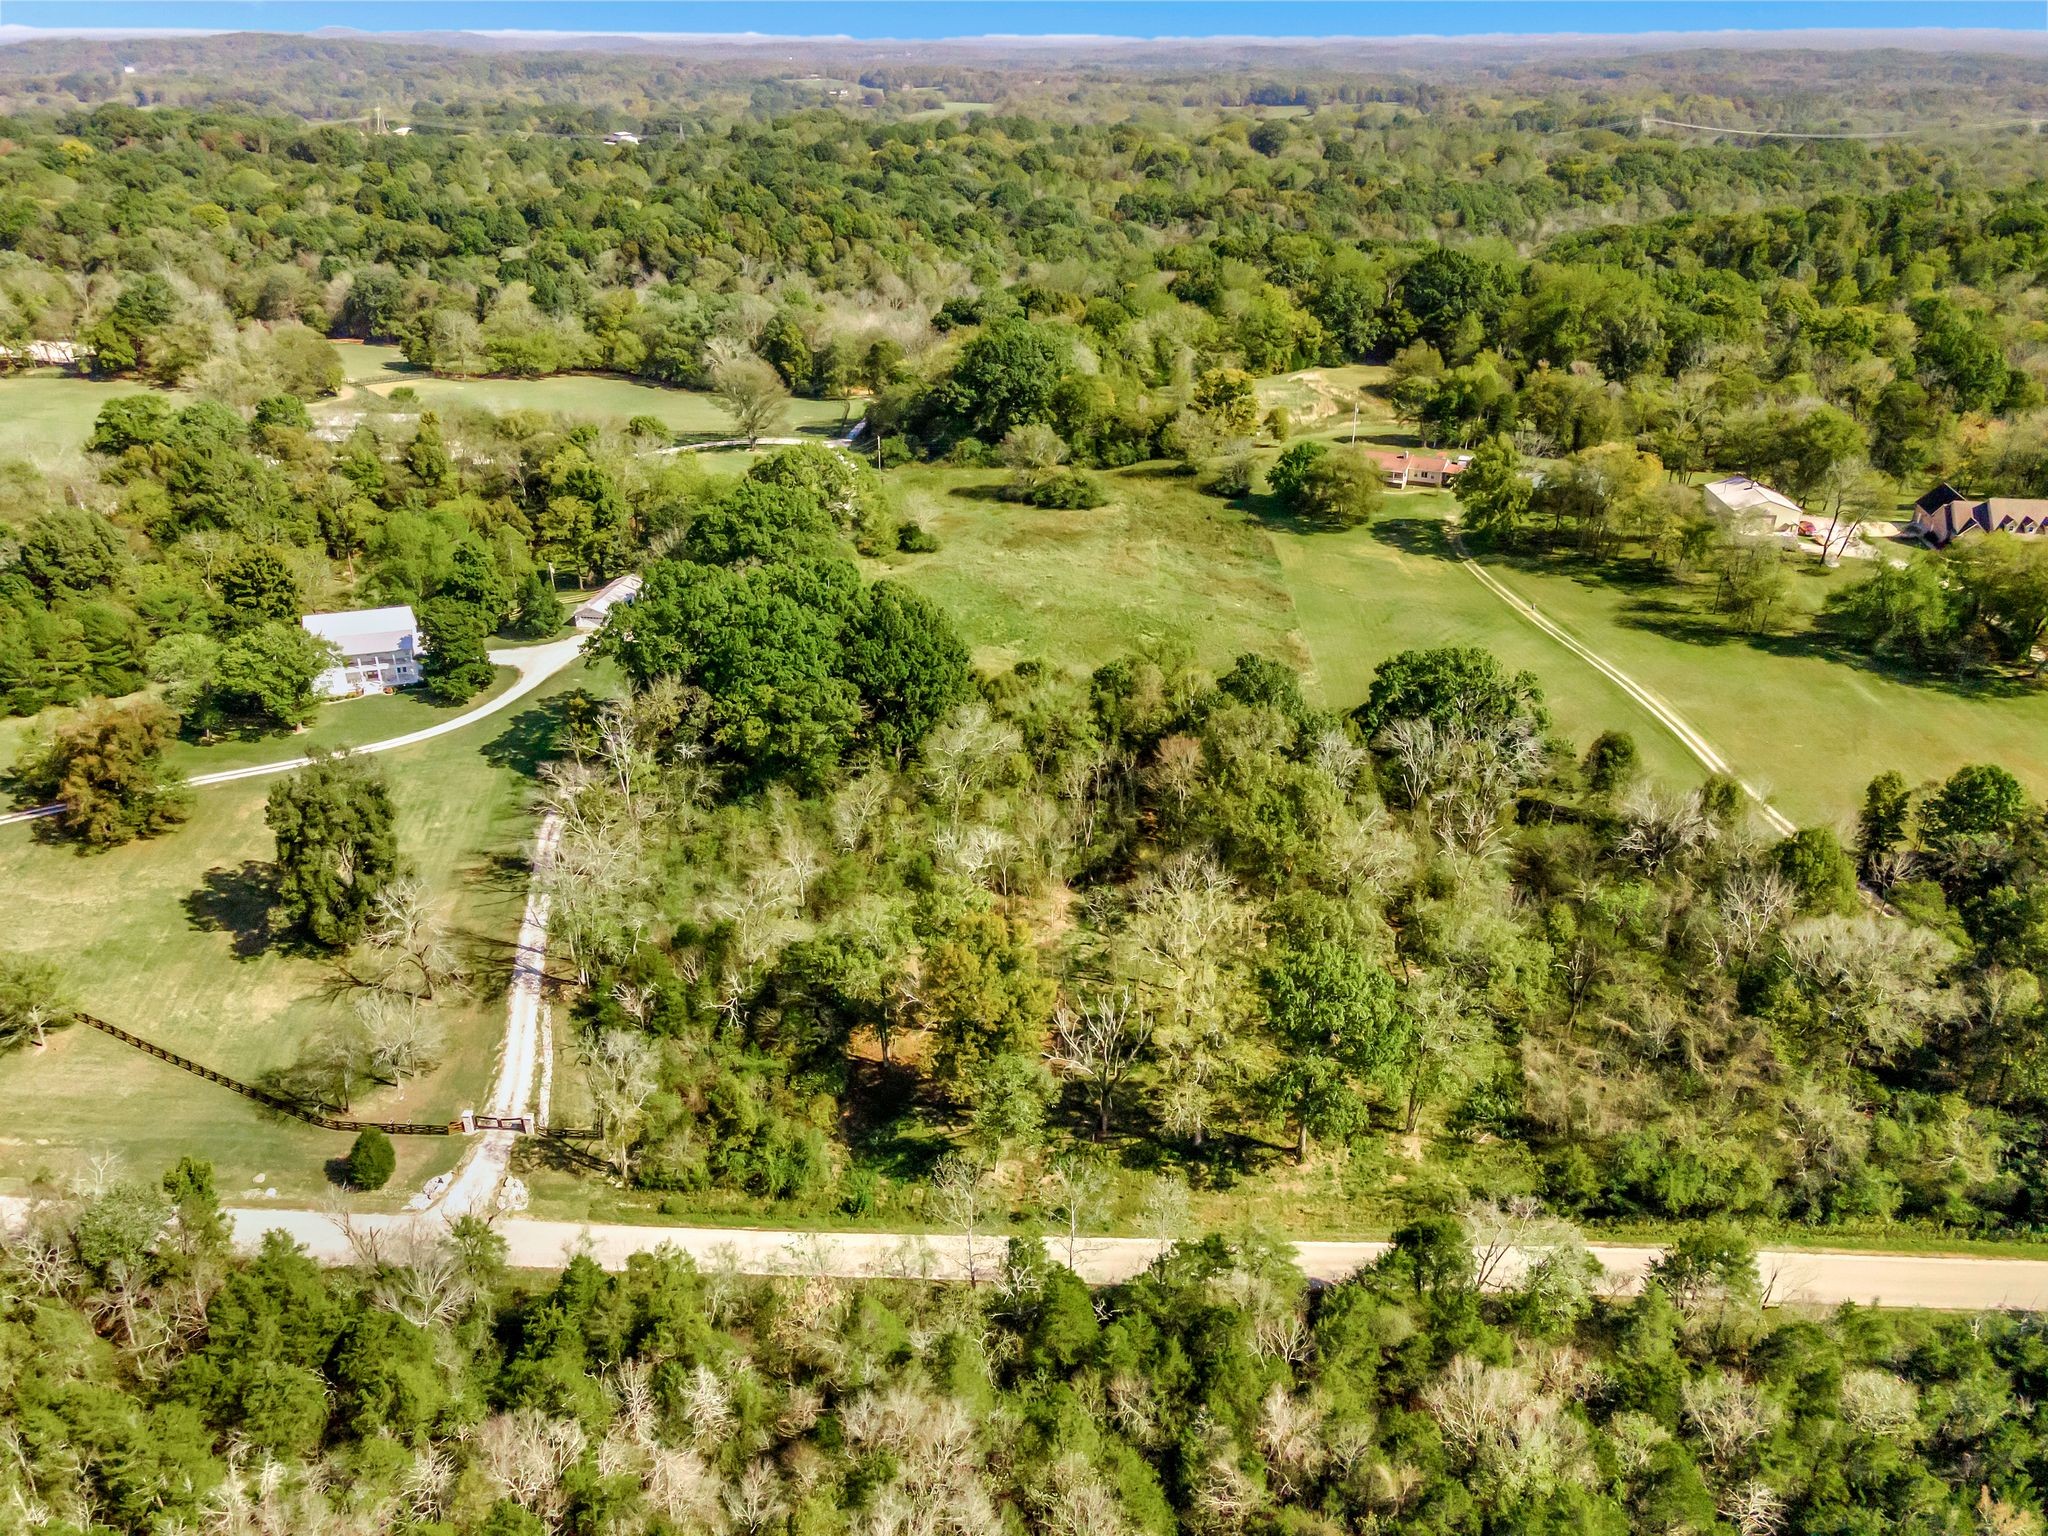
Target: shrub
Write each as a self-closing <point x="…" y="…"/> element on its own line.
<point x="1228" y="478"/>
<point x="1070" y="489"/>
<point x="912" y="539"/>
<point x="1612" y="762"/>
<point x="371" y="1160"/>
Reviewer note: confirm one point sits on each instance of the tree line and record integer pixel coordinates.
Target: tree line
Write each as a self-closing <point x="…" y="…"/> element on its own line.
<point x="1475" y="1380"/>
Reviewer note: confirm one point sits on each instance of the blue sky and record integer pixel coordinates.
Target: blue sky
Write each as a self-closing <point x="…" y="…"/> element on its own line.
<point x="956" y="18"/>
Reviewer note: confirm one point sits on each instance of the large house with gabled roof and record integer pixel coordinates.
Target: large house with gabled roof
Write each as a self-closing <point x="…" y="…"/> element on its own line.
<point x="1945" y="514"/>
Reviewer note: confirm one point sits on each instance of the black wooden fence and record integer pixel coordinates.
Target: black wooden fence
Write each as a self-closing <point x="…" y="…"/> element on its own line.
<point x="282" y="1103"/>
<point x="298" y="1109"/>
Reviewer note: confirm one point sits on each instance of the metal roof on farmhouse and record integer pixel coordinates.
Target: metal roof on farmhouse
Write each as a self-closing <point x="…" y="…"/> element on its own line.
<point x="367" y="631"/>
<point x="1739" y="493"/>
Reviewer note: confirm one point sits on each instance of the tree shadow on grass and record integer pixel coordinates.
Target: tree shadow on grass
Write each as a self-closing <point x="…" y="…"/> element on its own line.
<point x="1674" y="618"/>
<point x="991" y="492"/>
<point x="236" y="902"/>
<point x="1155" y="469"/>
<point x="531" y="737"/>
<point x="1413" y="533"/>
<point x="557" y="1154"/>
<point x="885" y="1126"/>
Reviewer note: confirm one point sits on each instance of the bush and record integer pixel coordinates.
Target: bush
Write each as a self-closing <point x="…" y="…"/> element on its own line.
<point x="371" y="1160"/>
<point x="1070" y="489"/>
<point x="1228" y="478"/>
<point x="1612" y="763"/>
<point x="912" y="539"/>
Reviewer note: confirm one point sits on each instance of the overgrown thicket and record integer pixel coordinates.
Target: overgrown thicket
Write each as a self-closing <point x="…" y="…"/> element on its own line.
<point x="1472" y="1381"/>
<point x="829" y="932"/>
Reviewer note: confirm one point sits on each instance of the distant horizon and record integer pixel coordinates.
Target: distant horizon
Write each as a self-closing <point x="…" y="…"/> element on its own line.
<point x="1047" y="22"/>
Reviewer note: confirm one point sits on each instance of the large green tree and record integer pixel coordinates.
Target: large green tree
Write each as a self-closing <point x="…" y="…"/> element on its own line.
<point x="1341" y="1031"/>
<point x="457" y="665"/>
<point x="106" y="767"/>
<point x="337" y="846"/>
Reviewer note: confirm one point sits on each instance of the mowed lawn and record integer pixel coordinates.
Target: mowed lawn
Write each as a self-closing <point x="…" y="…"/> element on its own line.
<point x="1361" y="595"/>
<point x="585" y="396"/>
<point x="46" y="416"/>
<point x="1808" y="723"/>
<point x="339" y="724"/>
<point x="163" y="937"/>
<point x="1159" y="563"/>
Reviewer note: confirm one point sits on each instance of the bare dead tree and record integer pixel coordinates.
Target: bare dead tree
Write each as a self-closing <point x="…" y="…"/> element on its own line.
<point x="1078" y="1182"/>
<point x="405" y="923"/>
<point x="402" y="1038"/>
<point x="621" y="1069"/>
<point x="1100" y="1044"/>
<point x="960" y="1200"/>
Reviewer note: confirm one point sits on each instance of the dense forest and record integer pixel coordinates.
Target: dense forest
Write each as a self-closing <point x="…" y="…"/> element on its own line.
<point x="840" y="902"/>
<point x="1845" y="319"/>
<point x="149" y="1382"/>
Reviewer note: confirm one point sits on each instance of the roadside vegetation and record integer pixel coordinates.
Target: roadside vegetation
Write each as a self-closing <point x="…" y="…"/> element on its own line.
<point x="161" y="1383"/>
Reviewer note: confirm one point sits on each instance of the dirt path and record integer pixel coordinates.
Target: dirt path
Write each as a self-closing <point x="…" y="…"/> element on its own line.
<point x="474" y="1189"/>
<point x="1658" y="708"/>
<point x="1942" y="1282"/>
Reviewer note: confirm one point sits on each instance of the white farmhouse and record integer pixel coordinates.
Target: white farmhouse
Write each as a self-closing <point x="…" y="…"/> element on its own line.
<point x="592" y="614"/>
<point x="379" y="648"/>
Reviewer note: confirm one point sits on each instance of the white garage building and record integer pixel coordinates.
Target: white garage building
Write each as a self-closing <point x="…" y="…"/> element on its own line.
<point x="379" y="648"/>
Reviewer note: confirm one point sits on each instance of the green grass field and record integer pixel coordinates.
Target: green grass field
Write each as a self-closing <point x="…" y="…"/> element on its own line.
<point x="590" y="397"/>
<point x="163" y="938"/>
<point x="1808" y="723"/>
<point x="1163" y="560"/>
<point x="1159" y="562"/>
<point x="1363" y="594"/>
<point x="339" y="724"/>
<point x="1325" y="402"/>
<point x="46" y="415"/>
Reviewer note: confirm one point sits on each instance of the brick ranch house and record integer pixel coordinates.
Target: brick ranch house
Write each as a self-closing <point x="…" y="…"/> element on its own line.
<point x="1402" y="468"/>
<point x="1945" y="514"/>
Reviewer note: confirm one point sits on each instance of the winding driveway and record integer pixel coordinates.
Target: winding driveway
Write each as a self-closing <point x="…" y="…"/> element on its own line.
<point x="1659" y="710"/>
<point x="535" y="664"/>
